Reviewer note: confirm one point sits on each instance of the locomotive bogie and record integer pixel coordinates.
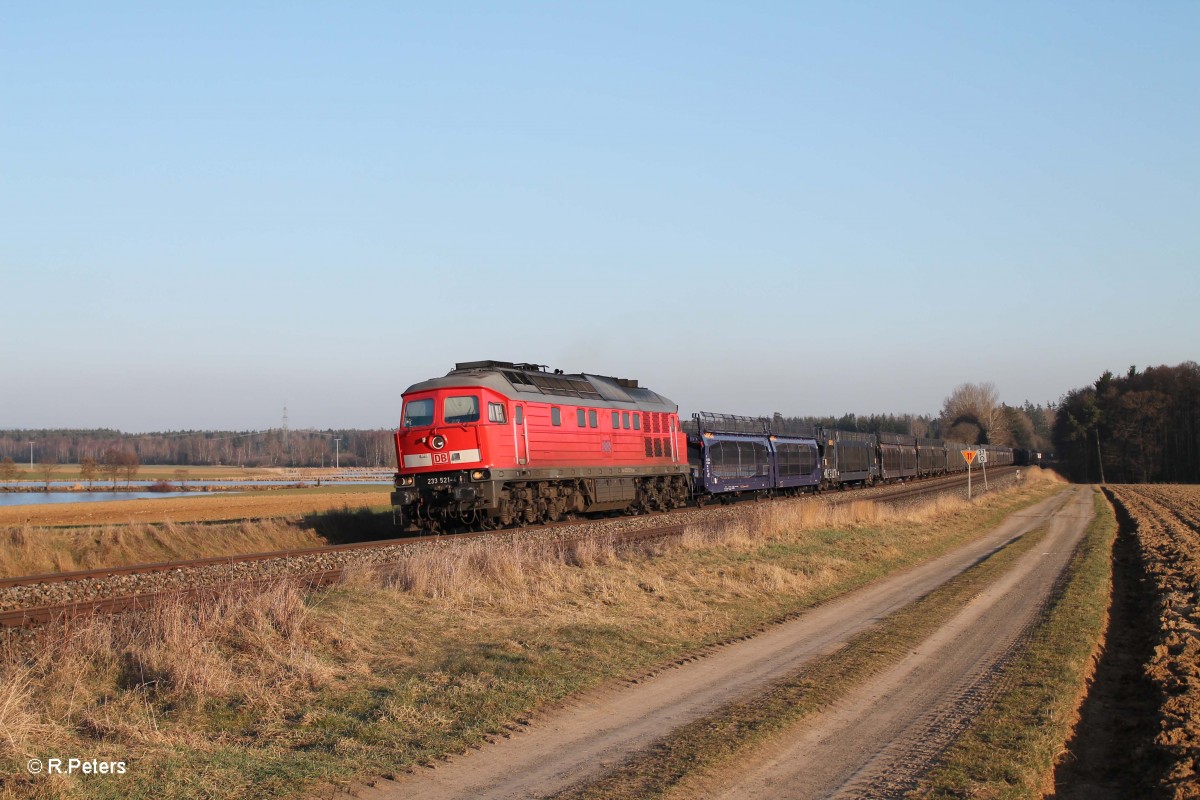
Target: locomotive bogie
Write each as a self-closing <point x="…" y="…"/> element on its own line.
<point x="448" y="501"/>
<point x="494" y="443"/>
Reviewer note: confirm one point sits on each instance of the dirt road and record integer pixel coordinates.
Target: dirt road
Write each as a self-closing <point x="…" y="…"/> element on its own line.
<point x="878" y="742"/>
<point x="579" y="742"/>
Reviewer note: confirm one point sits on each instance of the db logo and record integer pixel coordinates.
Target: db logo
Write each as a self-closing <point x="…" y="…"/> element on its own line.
<point x="441" y="458"/>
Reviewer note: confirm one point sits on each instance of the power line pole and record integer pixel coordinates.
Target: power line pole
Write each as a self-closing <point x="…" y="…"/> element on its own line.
<point x="1099" y="457"/>
<point x="31" y="456"/>
<point x="337" y="446"/>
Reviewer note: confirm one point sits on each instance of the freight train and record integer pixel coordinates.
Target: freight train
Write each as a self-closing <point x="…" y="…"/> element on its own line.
<point x="495" y="444"/>
<point x="730" y="455"/>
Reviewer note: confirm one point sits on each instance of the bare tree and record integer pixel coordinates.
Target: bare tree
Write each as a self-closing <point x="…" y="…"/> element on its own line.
<point x="47" y="469"/>
<point x="8" y="469"/>
<point x="129" y="466"/>
<point x="972" y="413"/>
<point x="110" y="464"/>
<point x="88" y="469"/>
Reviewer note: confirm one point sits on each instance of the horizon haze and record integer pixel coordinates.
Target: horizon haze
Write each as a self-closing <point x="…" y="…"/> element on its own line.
<point x="212" y="212"/>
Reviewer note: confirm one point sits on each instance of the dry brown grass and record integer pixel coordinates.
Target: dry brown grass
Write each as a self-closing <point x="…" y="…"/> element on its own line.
<point x="27" y="550"/>
<point x="236" y="645"/>
<point x="200" y="506"/>
<point x="398" y="666"/>
<point x="18" y="721"/>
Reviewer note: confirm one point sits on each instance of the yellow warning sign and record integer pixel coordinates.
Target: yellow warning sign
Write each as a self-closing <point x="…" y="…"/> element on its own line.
<point x="969" y="455"/>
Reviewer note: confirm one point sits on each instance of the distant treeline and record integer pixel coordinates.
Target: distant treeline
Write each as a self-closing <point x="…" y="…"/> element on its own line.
<point x="274" y="448"/>
<point x="1143" y="427"/>
<point x="1028" y="426"/>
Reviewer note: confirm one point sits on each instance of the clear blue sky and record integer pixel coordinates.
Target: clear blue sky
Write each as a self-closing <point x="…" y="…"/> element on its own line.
<point x="211" y="210"/>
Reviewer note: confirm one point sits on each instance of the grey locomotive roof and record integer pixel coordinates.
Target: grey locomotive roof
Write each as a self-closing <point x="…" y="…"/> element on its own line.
<point x="528" y="381"/>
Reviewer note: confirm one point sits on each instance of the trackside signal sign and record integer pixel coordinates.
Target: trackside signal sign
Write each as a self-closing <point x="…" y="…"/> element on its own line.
<point x="969" y="455"/>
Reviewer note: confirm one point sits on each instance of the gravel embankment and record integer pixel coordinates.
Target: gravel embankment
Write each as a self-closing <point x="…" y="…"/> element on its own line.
<point x="46" y="594"/>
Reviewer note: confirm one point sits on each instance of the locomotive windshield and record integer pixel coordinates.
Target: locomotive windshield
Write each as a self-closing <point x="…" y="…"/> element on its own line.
<point x="461" y="409"/>
<point x="418" y="413"/>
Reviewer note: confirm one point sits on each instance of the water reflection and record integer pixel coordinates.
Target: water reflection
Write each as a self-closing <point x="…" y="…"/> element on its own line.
<point x="68" y="484"/>
<point x="45" y="498"/>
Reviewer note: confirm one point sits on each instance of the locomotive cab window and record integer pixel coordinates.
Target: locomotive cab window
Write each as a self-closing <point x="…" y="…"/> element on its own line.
<point x="519" y="415"/>
<point x="581" y="417"/>
<point x="418" y="413"/>
<point x="555" y="416"/>
<point x="496" y="413"/>
<point x="593" y="420"/>
<point x="460" y="409"/>
<point x="625" y="420"/>
<point x="637" y="422"/>
<point x="616" y="420"/>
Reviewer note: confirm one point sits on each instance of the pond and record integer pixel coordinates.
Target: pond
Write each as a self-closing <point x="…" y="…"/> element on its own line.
<point x="45" y="498"/>
<point x="202" y="483"/>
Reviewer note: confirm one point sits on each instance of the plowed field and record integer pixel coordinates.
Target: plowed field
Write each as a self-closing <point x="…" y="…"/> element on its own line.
<point x="1168" y="532"/>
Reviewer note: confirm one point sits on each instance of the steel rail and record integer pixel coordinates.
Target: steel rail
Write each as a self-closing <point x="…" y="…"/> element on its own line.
<point x="39" y="615"/>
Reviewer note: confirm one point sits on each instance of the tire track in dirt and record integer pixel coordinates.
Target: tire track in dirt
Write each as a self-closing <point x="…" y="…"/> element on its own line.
<point x="598" y="731"/>
<point x="879" y="742"/>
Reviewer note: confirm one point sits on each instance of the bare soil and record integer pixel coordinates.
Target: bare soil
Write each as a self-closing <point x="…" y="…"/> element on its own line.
<point x="940" y="684"/>
<point x="202" y="507"/>
<point x="1110" y="755"/>
<point x="1166" y="523"/>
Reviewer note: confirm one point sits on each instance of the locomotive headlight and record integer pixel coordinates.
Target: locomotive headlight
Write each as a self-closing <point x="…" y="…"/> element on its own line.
<point x="437" y="442"/>
<point x="404" y="480"/>
<point x="478" y="474"/>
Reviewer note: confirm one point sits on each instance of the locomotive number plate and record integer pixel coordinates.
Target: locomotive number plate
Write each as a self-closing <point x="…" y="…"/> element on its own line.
<point x="440" y="480"/>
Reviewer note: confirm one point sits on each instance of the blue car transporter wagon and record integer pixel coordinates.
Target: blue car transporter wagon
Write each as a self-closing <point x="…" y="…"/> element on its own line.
<point x="730" y="454"/>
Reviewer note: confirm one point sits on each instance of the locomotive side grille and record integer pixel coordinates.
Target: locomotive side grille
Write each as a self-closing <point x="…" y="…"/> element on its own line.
<point x="667" y="447"/>
<point x="649" y="447"/>
<point x="658" y="448"/>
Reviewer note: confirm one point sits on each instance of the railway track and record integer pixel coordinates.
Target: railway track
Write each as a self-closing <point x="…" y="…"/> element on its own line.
<point x="40" y="599"/>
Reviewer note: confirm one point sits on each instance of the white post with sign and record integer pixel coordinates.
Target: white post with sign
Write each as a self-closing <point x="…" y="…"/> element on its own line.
<point x="982" y="458"/>
<point x="969" y="455"/>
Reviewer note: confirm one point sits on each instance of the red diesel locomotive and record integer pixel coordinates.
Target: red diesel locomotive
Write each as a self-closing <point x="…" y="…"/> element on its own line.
<point x="495" y="443"/>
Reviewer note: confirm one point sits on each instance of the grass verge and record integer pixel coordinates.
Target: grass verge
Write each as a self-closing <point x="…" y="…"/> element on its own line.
<point x="260" y="694"/>
<point x="215" y="506"/>
<point x="35" y="550"/>
<point x="30" y="550"/>
<point x="1010" y="751"/>
<point x="671" y="766"/>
